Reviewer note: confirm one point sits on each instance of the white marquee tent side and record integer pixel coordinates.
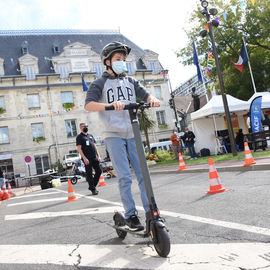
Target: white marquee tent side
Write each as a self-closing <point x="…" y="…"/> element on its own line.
<point x="211" y="117"/>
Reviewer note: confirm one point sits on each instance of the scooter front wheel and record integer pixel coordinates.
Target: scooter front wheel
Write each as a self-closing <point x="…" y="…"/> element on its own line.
<point x="162" y="242"/>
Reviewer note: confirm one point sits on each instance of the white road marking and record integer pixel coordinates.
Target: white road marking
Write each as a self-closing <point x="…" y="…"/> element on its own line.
<point x="34" y="195"/>
<point x="182" y="256"/>
<point x="87" y="211"/>
<point x="37" y="201"/>
<point x="225" y="224"/>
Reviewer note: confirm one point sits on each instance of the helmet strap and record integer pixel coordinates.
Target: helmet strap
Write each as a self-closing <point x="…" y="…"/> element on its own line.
<point x="110" y="67"/>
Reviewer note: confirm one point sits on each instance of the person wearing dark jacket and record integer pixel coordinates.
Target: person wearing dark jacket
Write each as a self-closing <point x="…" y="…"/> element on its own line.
<point x="86" y="147"/>
<point x="188" y="139"/>
<point x="239" y="140"/>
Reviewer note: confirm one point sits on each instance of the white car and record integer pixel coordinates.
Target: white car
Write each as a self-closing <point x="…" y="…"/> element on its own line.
<point x="70" y="159"/>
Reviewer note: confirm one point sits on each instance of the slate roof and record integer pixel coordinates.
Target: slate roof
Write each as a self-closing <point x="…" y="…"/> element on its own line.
<point x="40" y="44"/>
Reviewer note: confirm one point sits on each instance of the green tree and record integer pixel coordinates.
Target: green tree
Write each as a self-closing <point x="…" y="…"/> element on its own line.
<point x="252" y="23"/>
<point x="145" y="123"/>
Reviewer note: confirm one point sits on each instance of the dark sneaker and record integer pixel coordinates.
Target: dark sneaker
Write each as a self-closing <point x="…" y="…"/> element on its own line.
<point x="94" y="192"/>
<point x="134" y="223"/>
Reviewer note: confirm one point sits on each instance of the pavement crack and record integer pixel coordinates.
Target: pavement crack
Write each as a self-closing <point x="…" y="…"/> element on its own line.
<point x="79" y="258"/>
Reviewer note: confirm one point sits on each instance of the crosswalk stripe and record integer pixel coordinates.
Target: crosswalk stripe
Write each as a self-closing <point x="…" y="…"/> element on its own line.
<point x="225" y="224"/>
<point x="87" y="211"/>
<point x="182" y="256"/>
<point x="34" y="195"/>
<point x="37" y="201"/>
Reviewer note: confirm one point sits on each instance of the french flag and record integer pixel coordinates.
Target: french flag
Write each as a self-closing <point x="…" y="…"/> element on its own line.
<point x="243" y="58"/>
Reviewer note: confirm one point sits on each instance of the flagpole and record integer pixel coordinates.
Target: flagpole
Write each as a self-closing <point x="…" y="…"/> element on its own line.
<point x="250" y="70"/>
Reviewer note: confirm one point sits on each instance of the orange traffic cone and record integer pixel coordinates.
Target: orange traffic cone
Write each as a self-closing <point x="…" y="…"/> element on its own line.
<point x="215" y="185"/>
<point x="102" y="181"/>
<point x="9" y="189"/>
<point x="1" y="194"/>
<point x="248" y="157"/>
<point x="5" y="195"/>
<point x="182" y="165"/>
<point x="71" y="195"/>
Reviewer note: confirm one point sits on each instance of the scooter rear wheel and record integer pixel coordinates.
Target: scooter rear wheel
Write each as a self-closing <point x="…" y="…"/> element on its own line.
<point x="118" y="221"/>
<point x="162" y="245"/>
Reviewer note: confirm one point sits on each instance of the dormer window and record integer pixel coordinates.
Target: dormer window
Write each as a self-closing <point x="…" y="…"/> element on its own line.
<point x="129" y="67"/>
<point x="2" y="72"/>
<point x="98" y="69"/>
<point x="25" y="47"/>
<point x="28" y="66"/>
<point x="56" y="47"/>
<point x="62" y="69"/>
<point x="30" y="72"/>
<point x="152" y="67"/>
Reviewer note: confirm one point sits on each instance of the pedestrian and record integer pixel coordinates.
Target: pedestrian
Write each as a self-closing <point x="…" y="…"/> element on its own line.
<point x="115" y="88"/>
<point x="2" y="178"/>
<point x="239" y="140"/>
<point x="90" y="156"/>
<point x="176" y="144"/>
<point x="249" y="123"/>
<point x="189" y="141"/>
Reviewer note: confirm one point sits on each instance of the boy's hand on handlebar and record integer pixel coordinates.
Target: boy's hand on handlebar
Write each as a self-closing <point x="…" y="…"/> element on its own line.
<point x="154" y="102"/>
<point x="118" y="105"/>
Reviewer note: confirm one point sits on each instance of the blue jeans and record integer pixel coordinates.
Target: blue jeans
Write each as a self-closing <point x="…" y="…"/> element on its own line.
<point x="122" y="151"/>
<point x="191" y="150"/>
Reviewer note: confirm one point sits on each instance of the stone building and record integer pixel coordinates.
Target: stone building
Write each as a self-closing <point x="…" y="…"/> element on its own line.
<point x="42" y="99"/>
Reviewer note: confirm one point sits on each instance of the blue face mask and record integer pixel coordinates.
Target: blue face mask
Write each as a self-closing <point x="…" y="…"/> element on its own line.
<point x="119" y="67"/>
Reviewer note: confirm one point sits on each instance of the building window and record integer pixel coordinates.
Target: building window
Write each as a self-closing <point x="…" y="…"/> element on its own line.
<point x="33" y="101"/>
<point x="71" y="128"/>
<point x="30" y="72"/>
<point x="98" y="69"/>
<point x="152" y="67"/>
<point x="4" y="135"/>
<point x="161" y="117"/>
<point x="37" y="131"/>
<point x="62" y="69"/>
<point x="158" y="92"/>
<point x="2" y="105"/>
<point x="67" y="97"/>
<point x="129" y="67"/>
<point x="25" y="47"/>
<point x="42" y="164"/>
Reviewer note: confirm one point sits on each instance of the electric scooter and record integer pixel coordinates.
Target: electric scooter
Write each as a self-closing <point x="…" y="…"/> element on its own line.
<point x="155" y="226"/>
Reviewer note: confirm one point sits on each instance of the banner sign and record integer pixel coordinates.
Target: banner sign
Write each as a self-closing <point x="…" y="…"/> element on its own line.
<point x="256" y="114"/>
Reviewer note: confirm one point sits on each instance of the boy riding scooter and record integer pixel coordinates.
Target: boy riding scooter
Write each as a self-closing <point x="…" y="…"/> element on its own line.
<point x="115" y="88"/>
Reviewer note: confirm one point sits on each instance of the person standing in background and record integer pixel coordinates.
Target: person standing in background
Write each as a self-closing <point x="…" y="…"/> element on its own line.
<point x="188" y="139"/>
<point x="176" y="144"/>
<point x="2" y="177"/>
<point x="87" y="148"/>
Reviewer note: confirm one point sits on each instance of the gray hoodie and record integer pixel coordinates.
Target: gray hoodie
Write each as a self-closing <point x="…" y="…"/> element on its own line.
<point x="108" y="89"/>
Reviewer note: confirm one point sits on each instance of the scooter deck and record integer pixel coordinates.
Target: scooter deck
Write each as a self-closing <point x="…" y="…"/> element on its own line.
<point x="143" y="234"/>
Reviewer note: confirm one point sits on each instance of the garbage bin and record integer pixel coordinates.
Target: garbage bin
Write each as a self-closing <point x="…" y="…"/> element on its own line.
<point x="45" y="182"/>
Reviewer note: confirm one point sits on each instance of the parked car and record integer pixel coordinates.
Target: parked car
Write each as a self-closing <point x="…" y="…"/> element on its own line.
<point x="70" y="159"/>
<point x="165" y="145"/>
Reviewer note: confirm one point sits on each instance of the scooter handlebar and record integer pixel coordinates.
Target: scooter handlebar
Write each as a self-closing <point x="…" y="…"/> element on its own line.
<point x="129" y="106"/>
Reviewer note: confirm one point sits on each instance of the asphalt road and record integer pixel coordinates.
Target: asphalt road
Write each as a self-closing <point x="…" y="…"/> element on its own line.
<point x="228" y="230"/>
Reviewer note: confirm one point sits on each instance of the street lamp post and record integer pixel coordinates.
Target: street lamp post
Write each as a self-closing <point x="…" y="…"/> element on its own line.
<point x="203" y="33"/>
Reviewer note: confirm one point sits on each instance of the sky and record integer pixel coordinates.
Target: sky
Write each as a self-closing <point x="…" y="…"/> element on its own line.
<point x="155" y="25"/>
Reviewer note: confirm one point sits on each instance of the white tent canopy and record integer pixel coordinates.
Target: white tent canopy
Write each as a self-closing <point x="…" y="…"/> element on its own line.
<point x="215" y="106"/>
<point x="265" y="99"/>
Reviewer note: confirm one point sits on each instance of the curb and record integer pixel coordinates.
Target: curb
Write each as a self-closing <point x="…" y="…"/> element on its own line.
<point x="232" y="168"/>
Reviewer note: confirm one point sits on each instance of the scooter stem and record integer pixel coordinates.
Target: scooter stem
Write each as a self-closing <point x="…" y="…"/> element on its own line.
<point x="144" y="168"/>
